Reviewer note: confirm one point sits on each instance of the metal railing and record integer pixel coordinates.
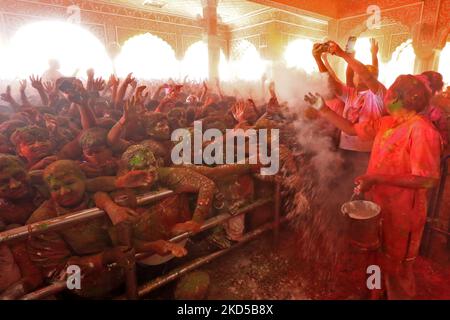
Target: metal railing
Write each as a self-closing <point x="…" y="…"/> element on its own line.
<point x="69" y="220"/>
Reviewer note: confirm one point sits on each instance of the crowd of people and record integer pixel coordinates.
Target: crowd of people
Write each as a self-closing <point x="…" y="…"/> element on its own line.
<point x="73" y="145"/>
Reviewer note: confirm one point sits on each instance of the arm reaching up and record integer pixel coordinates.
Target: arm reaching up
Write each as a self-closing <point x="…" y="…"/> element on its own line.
<point x="318" y="50"/>
<point x="36" y="82"/>
<point x="318" y="103"/>
<point x="23" y="95"/>
<point x="363" y="72"/>
<point x="7" y="97"/>
<point x="374" y="50"/>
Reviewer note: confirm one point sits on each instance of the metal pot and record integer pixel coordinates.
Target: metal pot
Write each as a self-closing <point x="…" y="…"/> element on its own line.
<point x="365" y="223"/>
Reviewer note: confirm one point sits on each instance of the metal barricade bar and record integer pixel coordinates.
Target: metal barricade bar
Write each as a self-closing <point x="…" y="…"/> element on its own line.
<point x="70" y="219"/>
<point x="85" y="215"/>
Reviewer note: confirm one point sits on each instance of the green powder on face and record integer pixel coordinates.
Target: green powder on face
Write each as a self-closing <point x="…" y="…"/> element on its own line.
<point x="396" y="106"/>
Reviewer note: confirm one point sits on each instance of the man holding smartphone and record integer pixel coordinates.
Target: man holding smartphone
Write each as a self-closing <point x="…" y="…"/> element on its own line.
<point x="362" y="97"/>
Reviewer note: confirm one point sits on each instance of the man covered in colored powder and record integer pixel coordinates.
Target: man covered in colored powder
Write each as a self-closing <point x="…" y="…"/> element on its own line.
<point x="404" y="164"/>
<point x="88" y="245"/>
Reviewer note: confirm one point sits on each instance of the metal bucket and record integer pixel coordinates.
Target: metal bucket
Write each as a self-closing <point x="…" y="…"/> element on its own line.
<point x="364" y="219"/>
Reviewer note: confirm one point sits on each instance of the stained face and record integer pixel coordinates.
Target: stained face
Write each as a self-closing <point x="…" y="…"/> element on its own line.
<point x="161" y="130"/>
<point x="97" y="155"/>
<point x="35" y="149"/>
<point x="66" y="188"/>
<point x="392" y="103"/>
<point x="14" y="182"/>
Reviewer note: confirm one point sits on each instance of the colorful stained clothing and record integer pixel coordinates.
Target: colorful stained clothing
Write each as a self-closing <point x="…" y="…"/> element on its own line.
<point x="359" y="107"/>
<point x="52" y="252"/>
<point x="183" y="180"/>
<point x="438" y="117"/>
<point x="156" y="221"/>
<point x="401" y="147"/>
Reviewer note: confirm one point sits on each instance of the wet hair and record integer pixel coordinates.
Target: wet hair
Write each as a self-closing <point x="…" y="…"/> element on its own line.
<point x="29" y="133"/>
<point x="435" y="80"/>
<point x="68" y="166"/>
<point x="7" y="161"/>
<point x="412" y="92"/>
<point x="139" y="157"/>
<point x="93" y="137"/>
<point x="7" y="128"/>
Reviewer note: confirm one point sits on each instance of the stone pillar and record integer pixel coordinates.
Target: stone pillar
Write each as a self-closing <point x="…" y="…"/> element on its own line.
<point x="427" y="45"/>
<point x="210" y="25"/>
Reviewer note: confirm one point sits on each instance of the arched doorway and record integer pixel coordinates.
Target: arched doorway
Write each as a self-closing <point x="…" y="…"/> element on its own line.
<point x="148" y="57"/>
<point x="75" y="48"/>
<point x="195" y="63"/>
<point x="298" y="55"/>
<point x="246" y="62"/>
<point x="444" y="63"/>
<point x="402" y="62"/>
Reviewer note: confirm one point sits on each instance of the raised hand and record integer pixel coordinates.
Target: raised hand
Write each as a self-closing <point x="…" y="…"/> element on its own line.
<point x="22" y="85"/>
<point x="335" y="49"/>
<point x="373" y="46"/>
<point x="129" y="79"/>
<point x="6" y="96"/>
<point x="129" y="111"/>
<point x="36" y="82"/>
<point x="318" y="49"/>
<point x="98" y="85"/>
<point x="315" y="100"/>
<point x="238" y="110"/>
<point x="90" y="73"/>
<point x="272" y="89"/>
<point x="50" y="87"/>
<point x="139" y="94"/>
<point x="113" y="81"/>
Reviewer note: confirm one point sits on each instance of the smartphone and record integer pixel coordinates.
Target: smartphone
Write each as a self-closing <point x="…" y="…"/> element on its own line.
<point x="68" y="85"/>
<point x="351" y="42"/>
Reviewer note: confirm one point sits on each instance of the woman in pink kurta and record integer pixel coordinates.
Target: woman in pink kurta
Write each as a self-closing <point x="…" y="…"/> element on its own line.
<point x="404" y="163"/>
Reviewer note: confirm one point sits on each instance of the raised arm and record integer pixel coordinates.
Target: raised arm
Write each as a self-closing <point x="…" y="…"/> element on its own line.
<point x="319" y="104"/>
<point x="204" y="92"/>
<point x="123" y="89"/>
<point x="23" y="95"/>
<point x="90" y="79"/>
<point x="36" y="82"/>
<point x="318" y="50"/>
<point x="129" y="115"/>
<point x="374" y="51"/>
<point x="7" y="97"/>
<point x="366" y="76"/>
<point x="330" y="69"/>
